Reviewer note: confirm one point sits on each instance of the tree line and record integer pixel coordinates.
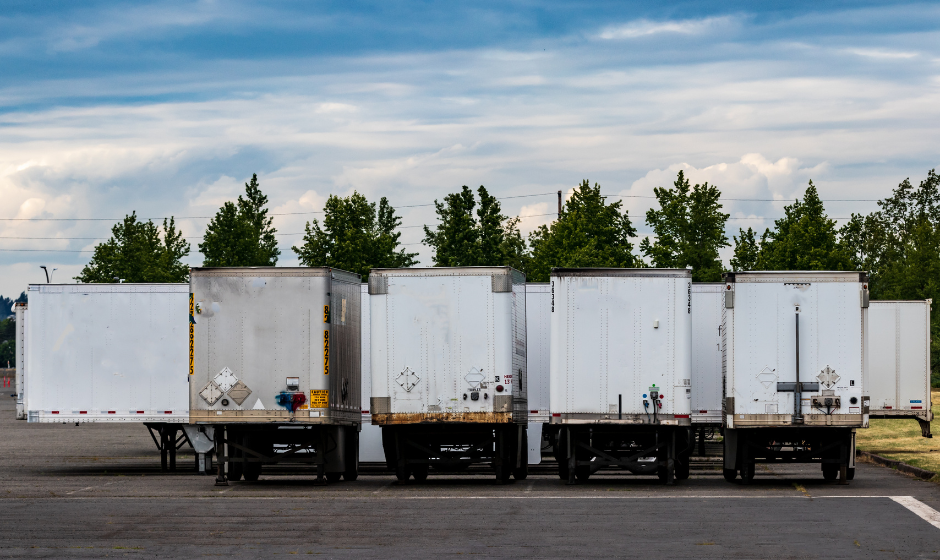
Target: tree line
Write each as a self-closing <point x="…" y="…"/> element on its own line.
<point x="899" y="243"/>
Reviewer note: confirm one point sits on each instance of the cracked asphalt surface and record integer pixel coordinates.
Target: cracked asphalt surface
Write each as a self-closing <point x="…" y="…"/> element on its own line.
<point x="96" y="490"/>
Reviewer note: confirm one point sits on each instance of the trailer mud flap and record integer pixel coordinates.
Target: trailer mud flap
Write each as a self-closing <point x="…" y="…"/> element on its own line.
<point x="731" y="449"/>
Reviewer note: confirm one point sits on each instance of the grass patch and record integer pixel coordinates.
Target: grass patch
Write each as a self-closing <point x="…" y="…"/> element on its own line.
<point x="901" y="440"/>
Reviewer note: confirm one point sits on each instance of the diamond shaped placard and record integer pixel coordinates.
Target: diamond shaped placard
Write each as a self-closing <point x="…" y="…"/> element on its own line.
<point x="225" y="379"/>
<point x="475" y="377"/>
<point x="407" y="379"/>
<point x="767" y="377"/>
<point x="210" y="393"/>
<point x="239" y="392"/>
<point x="828" y="377"/>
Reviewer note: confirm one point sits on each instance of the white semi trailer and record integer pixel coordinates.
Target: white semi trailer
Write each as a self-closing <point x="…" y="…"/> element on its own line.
<point x="707" y="306"/>
<point x="370" y="438"/>
<point x="20" y="311"/>
<point x="621" y="371"/>
<point x="899" y="336"/>
<point x="274" y="367"/>
<point x="538" y="307"/>
<point x="109" y="353"/>
<point x="796" y="379"/>
<point x="449" y="368"/>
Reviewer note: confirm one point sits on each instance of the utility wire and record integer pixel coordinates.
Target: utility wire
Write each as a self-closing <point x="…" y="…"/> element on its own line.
<point x="410" y="206"/>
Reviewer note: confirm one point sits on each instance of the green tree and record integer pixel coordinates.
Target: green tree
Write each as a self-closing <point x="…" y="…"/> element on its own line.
<point x="241" y="234"/>
<point x="900" y="244"/>
<point x="466" y="238"/>
<point x="804" y="239"/>
<point x="6" y="304"/>
<point x="689" y="228"/>
<point x="864" y="239"/>
<point x="588" y="233"/>
<point x="8" y="353"/>
<point x="137" y="252"/>
<point x="746" y="250"/>
<point x="355" y="236"/>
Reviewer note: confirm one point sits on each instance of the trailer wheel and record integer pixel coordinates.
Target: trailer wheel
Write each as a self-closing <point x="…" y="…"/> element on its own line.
<point x="420" y="472"/>
<point x="352" y="456"/>
<point x="561" y="445"/>
<point x="684" y="443"/>
<point x="682" y="469"/>
<point x="582" y="472"/>
<point x="662" y="474"/>
<point x="388" y="446"/>
<point x="748" y="471"/>
<point x="252" y="472"/>
<point x="235" y="470"/>
<point x="522" y="471"/>
<point x="850" y="473"/>
<point x="402" y="472"/>
<point x="730" y="474"/>
<point x="333" y="476"/>
<point x="830" y="471"/>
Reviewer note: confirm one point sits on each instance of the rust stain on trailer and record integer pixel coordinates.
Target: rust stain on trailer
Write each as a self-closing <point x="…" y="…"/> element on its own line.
<point x="443" y="417"/>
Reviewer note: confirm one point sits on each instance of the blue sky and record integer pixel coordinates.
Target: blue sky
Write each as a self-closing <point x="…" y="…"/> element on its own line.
<point x="167" y="108"/>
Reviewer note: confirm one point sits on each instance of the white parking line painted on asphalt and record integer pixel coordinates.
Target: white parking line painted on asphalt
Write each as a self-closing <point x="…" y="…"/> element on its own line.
<point x="923" y="511"/>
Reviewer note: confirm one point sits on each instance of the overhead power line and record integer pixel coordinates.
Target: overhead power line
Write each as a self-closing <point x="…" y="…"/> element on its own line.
<point x="411" y="206"/>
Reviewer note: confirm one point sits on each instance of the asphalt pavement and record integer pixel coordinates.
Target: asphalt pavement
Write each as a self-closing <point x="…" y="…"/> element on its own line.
<point x="96" y="490"/>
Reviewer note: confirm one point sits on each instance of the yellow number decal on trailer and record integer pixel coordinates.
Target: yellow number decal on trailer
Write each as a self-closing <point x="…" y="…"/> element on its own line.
<point x="192" y="326"/>
<point x="319" y="398"/>
<point x="326" y="313"/>
<point x="326" y="352"/>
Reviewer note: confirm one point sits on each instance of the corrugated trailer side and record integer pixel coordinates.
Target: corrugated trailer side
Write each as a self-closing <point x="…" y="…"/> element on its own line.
<point x="275" y="367"/>
<point x="899" y="336"/>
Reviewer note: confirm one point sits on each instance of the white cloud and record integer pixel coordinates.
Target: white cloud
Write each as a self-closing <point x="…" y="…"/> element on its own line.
<point x="884" y="54"/>
<point x="30" y="208"/>
<point x="644" y="28"/>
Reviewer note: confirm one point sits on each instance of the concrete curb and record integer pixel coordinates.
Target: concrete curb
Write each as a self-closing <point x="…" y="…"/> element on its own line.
<point x="903" y="467"/>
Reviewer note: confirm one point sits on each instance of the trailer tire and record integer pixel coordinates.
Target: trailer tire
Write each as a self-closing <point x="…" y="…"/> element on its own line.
<point x="561" y="445"/>
<point x="402" y="473"/>
<point x="420" y="472"/>
<point x="748" y="471"/>
<point x="252" y="472"/>
<point x="850" y="473"/>
<point x="352" y="456"/>
<point x="522" y="471"/>
<point x="730" y="474"/>
<point x="235" y="470"/>
<point x="682" y="469"/>
<point x="333" y="476"/>
<point x="582" y="473"/>
<point x="830" y="471"/>
<point x="388" y="446"/>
